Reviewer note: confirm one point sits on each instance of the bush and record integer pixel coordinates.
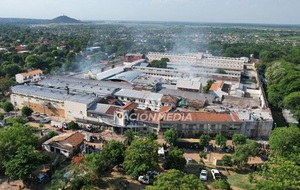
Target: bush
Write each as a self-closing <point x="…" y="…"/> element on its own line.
<point x="221" y="184"/>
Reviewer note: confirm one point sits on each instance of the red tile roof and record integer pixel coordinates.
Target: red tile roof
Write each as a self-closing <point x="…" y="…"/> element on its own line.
<point x="130" y="106"/>
<point x="74" y="139"/>
<point x="34" y="72"/>
<point x="216" y="86"/>
<point x="165" y="109"/>
<point x="111" y="110"/>
<point x="201" y="117"/>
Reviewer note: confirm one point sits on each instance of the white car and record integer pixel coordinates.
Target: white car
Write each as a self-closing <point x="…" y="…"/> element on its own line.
<point x="145" y="179"/>
<point x="203" y="175"/>
<point x="216" y="174"/>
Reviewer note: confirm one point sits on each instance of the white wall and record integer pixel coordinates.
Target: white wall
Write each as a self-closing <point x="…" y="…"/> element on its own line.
<point x="74" y="109"/>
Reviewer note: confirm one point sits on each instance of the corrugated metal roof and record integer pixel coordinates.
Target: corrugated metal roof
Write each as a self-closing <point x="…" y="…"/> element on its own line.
<point x="52" y="94"/>
<point x="138" y="94"/>
<point x="128" y="76"/>
<point x="76" y="85"/>
<point x="109" y="73"/>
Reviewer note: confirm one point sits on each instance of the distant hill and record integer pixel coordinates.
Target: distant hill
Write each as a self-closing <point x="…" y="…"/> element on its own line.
<point x="64" y="19"/>
<point x="61" y="19"/>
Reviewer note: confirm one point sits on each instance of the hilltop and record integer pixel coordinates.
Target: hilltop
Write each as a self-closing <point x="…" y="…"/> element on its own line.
<point x="60" y="19"/>
<point x="64" y="19"/>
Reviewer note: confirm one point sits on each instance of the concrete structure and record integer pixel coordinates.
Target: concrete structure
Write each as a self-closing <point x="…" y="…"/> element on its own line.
<point x="30" y="76"/>
<point x="191" y="85"/>
<point x="53" y="102"/>
<point x="145" y="99"/>
<point x="129" y="57"/>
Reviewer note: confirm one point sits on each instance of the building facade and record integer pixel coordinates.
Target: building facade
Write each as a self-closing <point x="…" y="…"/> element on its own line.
<point x="30" y="76"/>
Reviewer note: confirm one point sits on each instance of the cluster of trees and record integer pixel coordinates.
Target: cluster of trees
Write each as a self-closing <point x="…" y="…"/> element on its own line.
<point x="162" y="63"/>
<point x="205" y="89"/>
<point x="18" y="155"/>
<point x="283" y="80"/>
<point x="282" y="170"/>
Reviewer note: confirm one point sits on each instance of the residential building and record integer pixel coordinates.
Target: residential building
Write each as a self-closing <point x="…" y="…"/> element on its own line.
<point x="66" y="144"/>
<point x="30" y="76"/>
<point x="129" y="57"/>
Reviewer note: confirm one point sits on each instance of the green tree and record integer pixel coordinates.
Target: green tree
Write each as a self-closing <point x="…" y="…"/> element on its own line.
<point x="5" y="84"/>
<point x="7" y="106"/>
<point x="221" y="141"/>
<point x="238" y="139"/>
<point x="202" y="156"/>
<point x="152" y="136"/>
<point x="221" y="185"/>
<point x="11" y="70"/>
<point x="206" y="88"/>
<point x="243" y="152"/>
<point x="284" y="142"/>
<point x="52" y="134"/>
<point x="177" y="180"/>
<point x="73" y="125"/>
<point x="226" y="161"/>
<point x="96" y="163"/>
<point x="175" y="159"/>
<point x="129" y="137"/>
<point x="204" y="140"/>
<point x="114" y="152"/>
<point x="22" y="164"/>
<point x="159" y="63"/>
<point x="26" y="111"/>
<point x="221" y="71"/>
<point x="13" y="137"/>
<point x="279" y="173"/>
<point x="141" y="156"/>
<point x="16" y="121"/>
<point x="170" y="136"/>
<point x="1" y="116"/>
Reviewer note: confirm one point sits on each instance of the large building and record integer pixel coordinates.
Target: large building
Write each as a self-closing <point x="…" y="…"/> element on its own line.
<point x="142" y="110"/>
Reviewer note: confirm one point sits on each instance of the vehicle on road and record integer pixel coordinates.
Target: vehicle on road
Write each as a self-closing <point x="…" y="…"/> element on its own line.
<point x="144" y="179"/>
<point x="59" y="124"/>
<point x="203" y="175"/>
<point x="37" y="114"/>
<point x="216" y="174"/>
<point x="45" y="120"/>
<point x="42" y="177"/>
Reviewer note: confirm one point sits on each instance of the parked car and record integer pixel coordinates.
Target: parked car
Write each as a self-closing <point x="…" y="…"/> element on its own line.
<point x="144" y="179"/>
<point x="37" y="114"/>
<point x="203" y="175"/>
<point x="30" y="118"/>
<point x="42" y="177"/>
<point x="153" y="173"/>
<point x="216" y="174"/>
<point x="45" y="120"/>
<point x="89" y="127"/>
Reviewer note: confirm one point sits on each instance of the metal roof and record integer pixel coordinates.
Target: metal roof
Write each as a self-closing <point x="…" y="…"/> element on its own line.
<point x="190" y="95"/>
<point x="83" y="86"/>
<point x="128" y="76"/>
<point x="109" y="73"/>
<point x="51" y="94"/>
<point x="138" y="94"/>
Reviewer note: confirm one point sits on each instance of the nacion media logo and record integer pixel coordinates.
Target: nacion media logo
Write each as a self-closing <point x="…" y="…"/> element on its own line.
<point x="146" y="116"/>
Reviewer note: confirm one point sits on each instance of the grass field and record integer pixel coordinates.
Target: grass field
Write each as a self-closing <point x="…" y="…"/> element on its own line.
<point x="240" y="180"/>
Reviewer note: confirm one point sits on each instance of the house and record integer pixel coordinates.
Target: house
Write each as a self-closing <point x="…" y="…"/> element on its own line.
<point x="30" y="76"/>
<point x="66" y="144"/>
<point x="219" y="89"/>
<point x="133" y="57"/>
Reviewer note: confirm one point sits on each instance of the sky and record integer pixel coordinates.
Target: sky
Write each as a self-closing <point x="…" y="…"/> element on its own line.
<point x="228" y="11"/>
